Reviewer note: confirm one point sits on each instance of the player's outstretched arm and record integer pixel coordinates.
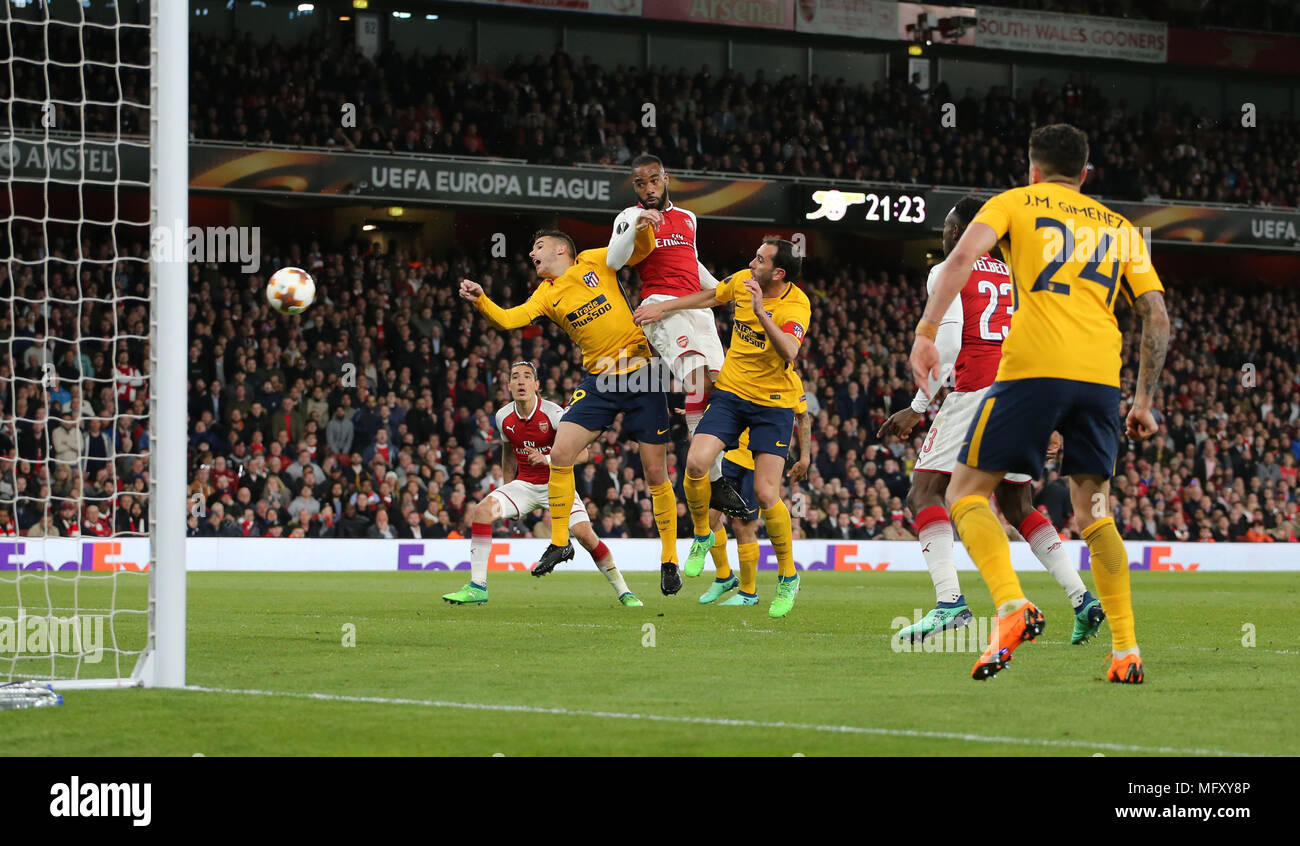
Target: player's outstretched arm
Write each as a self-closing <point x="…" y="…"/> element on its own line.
<point x="977" y="240"/>
<point x="503" y="318"/>
<point x="1150" y="307"/>
<point x="651" y="312"/>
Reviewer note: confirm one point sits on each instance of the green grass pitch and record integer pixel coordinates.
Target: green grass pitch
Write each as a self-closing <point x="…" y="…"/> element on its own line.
<point x="556" y="667"/>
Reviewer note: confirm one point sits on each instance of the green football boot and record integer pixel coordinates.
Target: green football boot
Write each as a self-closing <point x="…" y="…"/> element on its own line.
<point x="786" y="591"/>
<point x="718" y="588"/>
<point x="938" y="619"/>
<point x="695" y="560"/>
<point x="471" y="594"/>
<point x="1088" y="618"/>
<point x="742" y="599"/>
<point x="629" y="599"/>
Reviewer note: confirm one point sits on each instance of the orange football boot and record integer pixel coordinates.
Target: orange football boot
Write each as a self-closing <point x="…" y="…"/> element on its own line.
<point x="1025" y="623"/>
<point x="1126" y="670"/>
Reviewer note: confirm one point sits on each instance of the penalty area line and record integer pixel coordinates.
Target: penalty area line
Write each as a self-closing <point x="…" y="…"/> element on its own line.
<point x="730" y="723"/>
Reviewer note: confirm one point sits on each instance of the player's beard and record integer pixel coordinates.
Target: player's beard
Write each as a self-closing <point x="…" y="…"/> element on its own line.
<point x="661" y="202"/>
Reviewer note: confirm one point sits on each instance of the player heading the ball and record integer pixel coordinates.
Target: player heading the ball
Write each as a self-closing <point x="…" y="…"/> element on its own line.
<point x="686" y="340"/>
<point x="580" y="293"/>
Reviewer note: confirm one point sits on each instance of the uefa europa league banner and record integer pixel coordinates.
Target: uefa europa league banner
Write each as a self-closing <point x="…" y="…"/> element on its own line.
<point x="482" y="184"/>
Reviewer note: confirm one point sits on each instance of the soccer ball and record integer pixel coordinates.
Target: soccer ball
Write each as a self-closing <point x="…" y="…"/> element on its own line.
<point x="290" y="290"/>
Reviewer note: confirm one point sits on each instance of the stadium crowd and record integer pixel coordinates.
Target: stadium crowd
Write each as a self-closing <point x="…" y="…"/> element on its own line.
<point x="558" y="110"/>
<point x="372" y="414"/>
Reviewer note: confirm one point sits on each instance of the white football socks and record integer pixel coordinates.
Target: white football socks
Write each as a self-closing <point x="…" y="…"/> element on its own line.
<point x="936" y="548"/>
<point x="1050" y="551"/>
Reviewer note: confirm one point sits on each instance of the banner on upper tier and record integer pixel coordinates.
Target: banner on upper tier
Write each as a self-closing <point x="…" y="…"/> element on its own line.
<point x="900" y="210"/>
<point x="1229" y="48"/>
<point x="761" y="14"/>
<point x="470" y="183"/>
<point x="854" y="18"/>
<point x="327" y="555"/>
<point x="595" y="7"/>
<point x="1076" y="35"/>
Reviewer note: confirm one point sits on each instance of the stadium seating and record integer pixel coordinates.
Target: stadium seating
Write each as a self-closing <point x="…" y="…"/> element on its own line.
<point x="274" y="403"/>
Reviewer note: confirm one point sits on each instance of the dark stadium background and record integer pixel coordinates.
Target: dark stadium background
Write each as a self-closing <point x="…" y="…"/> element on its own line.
<point x="1224" y="466"/>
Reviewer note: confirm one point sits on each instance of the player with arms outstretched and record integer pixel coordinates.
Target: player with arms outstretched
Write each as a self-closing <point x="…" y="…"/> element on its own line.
<point x="969" y="340"/>
<point x="738" y="470"/>
<point x="686" y="340"/>
<point x="1070" y="258"/>
<point x="758" y="390"/>
<point x="527" y="426"/>
<point x="580" y="293"/>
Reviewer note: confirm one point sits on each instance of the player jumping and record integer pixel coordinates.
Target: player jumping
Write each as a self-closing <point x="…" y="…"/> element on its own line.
<point x="687" y="340"/>
<point x="580" y="293"/>
<point x="757" y="389"/>
<point x="527" y="426"/>
<point x="1060" y="371"/>
<point x="969" y="341"/>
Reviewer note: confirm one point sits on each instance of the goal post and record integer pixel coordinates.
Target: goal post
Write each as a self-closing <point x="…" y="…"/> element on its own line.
<point x="93" y="402"/>
<point x="169" y="193"/>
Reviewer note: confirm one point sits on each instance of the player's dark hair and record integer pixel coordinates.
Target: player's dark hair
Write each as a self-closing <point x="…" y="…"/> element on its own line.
<point x="1059" y="149"/>
<point x="646" y="159"/>
<point x="529" y="365"/>
<point x="557" y="234"/>
<point x="785" y="258"/>
<point x="967" y="207"/>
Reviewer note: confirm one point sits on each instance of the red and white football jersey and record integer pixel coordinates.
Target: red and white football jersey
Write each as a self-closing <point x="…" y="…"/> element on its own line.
<point x="673" y="267"/>
<point x="987" y="303"/>
<point x="533" y="431"/>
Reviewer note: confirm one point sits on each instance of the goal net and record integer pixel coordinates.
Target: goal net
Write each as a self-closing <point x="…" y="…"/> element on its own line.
<point x="92" y="421"/>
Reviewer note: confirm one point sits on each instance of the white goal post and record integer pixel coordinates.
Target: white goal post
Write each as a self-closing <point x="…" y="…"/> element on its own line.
<point x="164" y="659"/>
<point x="71" y="554"/>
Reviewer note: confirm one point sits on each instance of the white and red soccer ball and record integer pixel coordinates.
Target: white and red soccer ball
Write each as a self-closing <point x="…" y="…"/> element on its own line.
<point x="290" y="290"/>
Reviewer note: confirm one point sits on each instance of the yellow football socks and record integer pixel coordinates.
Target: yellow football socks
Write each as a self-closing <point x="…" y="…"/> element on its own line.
<point x="1109" y="562"/>
<point x="560" y="494"/>
<point x="777" y="519"/>
<point x="665" y="508"/>
<point x="984" y="539"/>
<point x="698" y="492"/>
<point x="719" y="553"/>
<point x="748" y="567"/>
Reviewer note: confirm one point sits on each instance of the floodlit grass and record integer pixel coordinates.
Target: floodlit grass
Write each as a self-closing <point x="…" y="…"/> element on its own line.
<point x="556" y="666"/>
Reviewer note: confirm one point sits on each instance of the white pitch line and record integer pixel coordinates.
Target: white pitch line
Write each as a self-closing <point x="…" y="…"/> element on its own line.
<point x="715" y="721"/>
